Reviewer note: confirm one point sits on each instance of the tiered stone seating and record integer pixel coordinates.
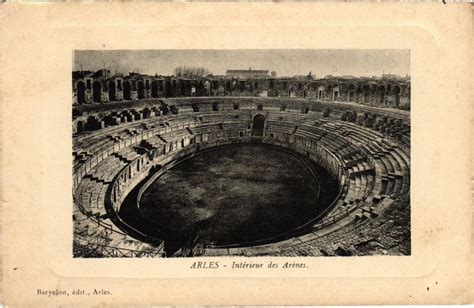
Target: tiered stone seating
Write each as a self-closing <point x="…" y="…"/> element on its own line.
<point x="383" y="232"/>
<point x="280" y="127"/>
<point x="127" y="155"/>
<point x="156" y="142"/>
<point x="376" y="164"/>
<point x="309" y="132"/>
<point x="92" y="189"/>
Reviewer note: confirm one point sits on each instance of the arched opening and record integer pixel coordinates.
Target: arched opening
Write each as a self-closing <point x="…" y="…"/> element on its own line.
<point x="183" y="87"/>
<point x="335" y="95"/>
<point x="81" y="92"/>
<point x="351" y="96"/>
<point x="380" y="95"/>
<point x="154" y="88"/>
<point x="258" y="125"/>
<point x="168" y="89"/>
<point x="112" y="91"/>
<point x="141" y="90"/>
<point x="366" y="93"/>
<point x="182" y="143"/>
<point x="351" y="93"/>
<point x="127" y="90"/>
<point x="215" y="106"/>
<point x="320" y="92"/>
<point x="97" y="92"/>
<point x="80" y="126"/>
<point x="396" y="92"/>
<point x="200" y="91"/>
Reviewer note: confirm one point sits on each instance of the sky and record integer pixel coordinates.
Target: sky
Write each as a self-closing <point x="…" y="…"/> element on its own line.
<point x="286" y="62"/>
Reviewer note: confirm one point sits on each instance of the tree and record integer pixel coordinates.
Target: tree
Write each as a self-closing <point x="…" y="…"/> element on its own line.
<point x="191" y="71"/>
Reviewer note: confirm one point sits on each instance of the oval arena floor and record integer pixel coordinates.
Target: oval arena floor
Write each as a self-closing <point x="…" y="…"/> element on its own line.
<point x="236" y="195"/>
<point x="149" y="182"/>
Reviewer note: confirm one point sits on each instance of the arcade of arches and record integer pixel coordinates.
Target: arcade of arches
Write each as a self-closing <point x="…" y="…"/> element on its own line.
<point x="376" y="92"/>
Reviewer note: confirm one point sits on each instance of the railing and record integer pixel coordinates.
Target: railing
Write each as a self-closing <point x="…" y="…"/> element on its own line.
<point x="104" y="250"/>
<point x="111" y="251"/>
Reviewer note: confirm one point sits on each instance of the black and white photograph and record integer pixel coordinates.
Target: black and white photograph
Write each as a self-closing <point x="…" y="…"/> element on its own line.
<point x="241" y="152"/>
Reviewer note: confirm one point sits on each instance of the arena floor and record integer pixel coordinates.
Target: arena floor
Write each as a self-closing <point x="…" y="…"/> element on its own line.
<point x="235" y="195"/>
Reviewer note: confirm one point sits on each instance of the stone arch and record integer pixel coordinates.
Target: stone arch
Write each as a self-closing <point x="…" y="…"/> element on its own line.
<point x="112" y="90"/>
<point x="154" y="88"/>
<point x="182" y="87"/>
<point x="351" y="89"/>
<point x="258" y="125"/>
<point x="321" y="92"/>
<point x="81" y="92"/>
<point x="366" y="93"/>
<point x="127" y="90"/>
<point x="201" y="90"/>
<point x="168" y="88"/>
<point x="96" y="92"/>
<point x="242" y="85"/>
<point x="396" y="93"/>
<point x="140" y="90"/>
<point x="335" y="93"/>
<point x="80" y="126"/>
<point x="380" y="94"/>
<point x="272" y="84"/>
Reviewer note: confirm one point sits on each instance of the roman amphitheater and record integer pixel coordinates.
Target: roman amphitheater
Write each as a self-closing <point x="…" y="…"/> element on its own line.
<point x="218" y="166"/>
